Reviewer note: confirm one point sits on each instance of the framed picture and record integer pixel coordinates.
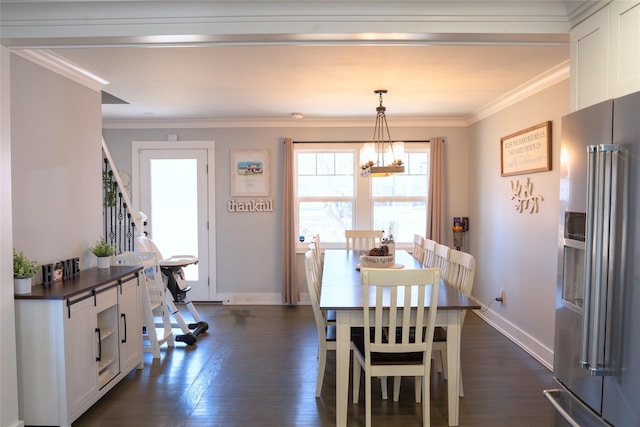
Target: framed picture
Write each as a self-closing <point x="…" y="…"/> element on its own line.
<point x="249" y="172"/>
<point x="526" y="151"/>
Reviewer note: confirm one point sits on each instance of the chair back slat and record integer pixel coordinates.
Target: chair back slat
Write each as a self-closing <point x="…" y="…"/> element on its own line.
<point x="441" y="258"/>
<point x="460" y="271"/>
<point x="313" y="286"/>
<point x="363" y="239"/>
<point x="418" y="248"/>
<point x="314" y="246"/>
<point x="429" y="252"/>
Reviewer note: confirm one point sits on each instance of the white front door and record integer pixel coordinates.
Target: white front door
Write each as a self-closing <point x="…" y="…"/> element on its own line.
<point x="173" y="192"/>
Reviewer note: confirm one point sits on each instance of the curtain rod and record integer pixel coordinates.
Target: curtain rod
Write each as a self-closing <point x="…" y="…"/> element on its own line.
<point x="355" y="142"/>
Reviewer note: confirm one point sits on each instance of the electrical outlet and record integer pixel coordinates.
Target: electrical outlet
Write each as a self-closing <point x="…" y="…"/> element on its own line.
<point x="501" y="298"/>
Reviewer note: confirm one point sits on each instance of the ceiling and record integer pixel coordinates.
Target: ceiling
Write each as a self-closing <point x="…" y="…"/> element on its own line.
<point x="264" y="60"/>
<point x="321" y="82"/>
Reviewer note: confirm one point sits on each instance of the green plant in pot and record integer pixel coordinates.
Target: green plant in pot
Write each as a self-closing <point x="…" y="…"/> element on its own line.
<point x="103" y="250"/>
<point x="23" y="271"/>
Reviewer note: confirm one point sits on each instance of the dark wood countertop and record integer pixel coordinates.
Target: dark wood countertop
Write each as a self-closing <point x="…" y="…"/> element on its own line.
<point x="87" y="280"/>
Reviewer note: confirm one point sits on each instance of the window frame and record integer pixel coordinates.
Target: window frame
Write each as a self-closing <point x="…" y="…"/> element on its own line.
<point x="362" y="213"/>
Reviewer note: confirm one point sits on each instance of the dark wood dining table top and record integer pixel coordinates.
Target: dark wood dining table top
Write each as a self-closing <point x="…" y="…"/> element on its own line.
<point x="341" y="288"/>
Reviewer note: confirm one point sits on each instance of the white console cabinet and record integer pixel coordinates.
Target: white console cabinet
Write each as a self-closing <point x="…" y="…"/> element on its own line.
<point x="76" y="339"/>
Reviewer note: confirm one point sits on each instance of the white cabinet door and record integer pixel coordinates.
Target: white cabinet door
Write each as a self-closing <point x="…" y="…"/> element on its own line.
<point x="625" y="47"/>
<point x="80" y="350"/>
<point x="590" y="60"/>
<point x="130" y="325"/>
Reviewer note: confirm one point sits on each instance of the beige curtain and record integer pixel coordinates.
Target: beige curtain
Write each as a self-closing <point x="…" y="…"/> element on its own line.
<point x="435" y="205"/>
<point x="290" y="292"/>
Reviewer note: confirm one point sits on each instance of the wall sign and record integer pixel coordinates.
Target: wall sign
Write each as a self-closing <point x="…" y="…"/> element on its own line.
<point x="255" y="205"/>
<point x="526" y="151"/>
<point x="524" y="197"/>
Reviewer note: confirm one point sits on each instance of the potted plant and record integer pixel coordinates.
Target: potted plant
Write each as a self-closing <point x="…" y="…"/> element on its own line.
<point x="104" y="251"/>
<point x="23" y="271"/>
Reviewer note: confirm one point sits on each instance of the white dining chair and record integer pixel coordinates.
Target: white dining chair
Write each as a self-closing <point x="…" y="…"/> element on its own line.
<point x="317" y="252"/>
<point x="326" y="333"/>
<point x="440" y="258"/>
<point x="418" y="248"/>
<point x="429" y="249"/>
<point x="461" y="269"/>
<point x="363" y="239"/>
<point x="394" y="300"/>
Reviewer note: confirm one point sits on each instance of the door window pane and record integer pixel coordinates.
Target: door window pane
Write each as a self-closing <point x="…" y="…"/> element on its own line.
<point x="174" y="194"/>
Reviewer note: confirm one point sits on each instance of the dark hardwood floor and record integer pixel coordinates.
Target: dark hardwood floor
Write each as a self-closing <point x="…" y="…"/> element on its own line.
<point x="256" y="366"/>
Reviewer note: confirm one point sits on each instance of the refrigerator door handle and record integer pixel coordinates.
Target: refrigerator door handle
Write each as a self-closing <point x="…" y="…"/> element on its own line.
<point x="600" y="246"/>
<point x="591" y="203"/>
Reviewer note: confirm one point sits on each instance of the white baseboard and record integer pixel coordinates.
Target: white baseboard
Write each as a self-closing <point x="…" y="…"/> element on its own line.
<point x="531" y="345"/>
<point x="261" y="298"/>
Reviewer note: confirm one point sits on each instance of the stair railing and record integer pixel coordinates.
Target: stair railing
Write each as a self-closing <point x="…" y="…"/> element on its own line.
<point x="121" y="224"/>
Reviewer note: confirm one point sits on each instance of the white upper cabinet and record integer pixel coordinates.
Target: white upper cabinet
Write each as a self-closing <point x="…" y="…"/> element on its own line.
<point x="589" y="60"/>
<point x="624" y="25"/>
<point x="605" y="54"/>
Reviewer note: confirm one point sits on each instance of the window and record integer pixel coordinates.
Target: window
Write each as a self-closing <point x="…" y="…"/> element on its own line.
<point x="332" y="197"/>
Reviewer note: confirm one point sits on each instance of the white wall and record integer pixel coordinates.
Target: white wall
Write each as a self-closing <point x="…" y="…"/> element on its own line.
<point x="56" y="164"/>
<point x="8" y="368"/>
<point x="517" y="251"/>
<point x="254" y="238"/>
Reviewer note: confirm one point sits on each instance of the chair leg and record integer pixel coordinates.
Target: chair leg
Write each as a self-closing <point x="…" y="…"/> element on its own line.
<point x="443" y="363"/>
<point x="418" y="389"/>
<point x="396" y="388"/>
<point x="383" y="388"/>
<point x="322" y="362"/>
<point x="461" y="393"/>
<point x="426" y="403"/>
<point x="355" y="387"/>
<point x="367" y="398"/>
<point x="437" y="362"/>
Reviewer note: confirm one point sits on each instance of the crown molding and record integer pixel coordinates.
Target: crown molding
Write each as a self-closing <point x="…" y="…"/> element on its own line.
<point x="533" y="86"/>
<point x="584" y="9"/>
<point x="59" y="65"/>
<point x="335" y="122"/>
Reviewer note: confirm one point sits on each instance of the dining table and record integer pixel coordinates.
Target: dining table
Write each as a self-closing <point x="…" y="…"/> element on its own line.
<point x="341" y="291"/>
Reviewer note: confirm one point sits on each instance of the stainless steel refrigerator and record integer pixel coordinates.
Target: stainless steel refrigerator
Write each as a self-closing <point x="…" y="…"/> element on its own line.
<point x="597" y="335"/>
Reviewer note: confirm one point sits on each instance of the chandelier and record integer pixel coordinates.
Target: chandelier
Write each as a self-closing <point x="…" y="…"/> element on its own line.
<point x="381" y="157"/>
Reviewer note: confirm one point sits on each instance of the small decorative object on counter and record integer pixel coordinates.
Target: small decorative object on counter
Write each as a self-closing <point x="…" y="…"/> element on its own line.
<point x="378" y="258"/>
<point x="390" y="234"/>
<point x="23" y="271"/>
<point x="104" y="251"/>
<point x="58" y="269"/>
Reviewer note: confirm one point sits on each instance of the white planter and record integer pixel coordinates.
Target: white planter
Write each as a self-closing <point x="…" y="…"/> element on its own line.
<point x="22" y="286"/>
<point x="104" y="261"/>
